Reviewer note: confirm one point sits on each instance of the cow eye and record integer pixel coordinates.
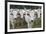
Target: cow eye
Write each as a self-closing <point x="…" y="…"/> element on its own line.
<point x="28" y="14"/>
<point x="23" y="14"/>
<point x="11" y="14"/>
<point x="18" y="14"/>
<point x="14" y="18"/>
<point x="40" y="13"/>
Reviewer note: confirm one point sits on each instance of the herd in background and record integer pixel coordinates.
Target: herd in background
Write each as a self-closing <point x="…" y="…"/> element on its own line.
<point x="27" y="14"/>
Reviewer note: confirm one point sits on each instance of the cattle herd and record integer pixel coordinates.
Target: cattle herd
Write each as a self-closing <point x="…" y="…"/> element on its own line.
<point x="27" y="15"/>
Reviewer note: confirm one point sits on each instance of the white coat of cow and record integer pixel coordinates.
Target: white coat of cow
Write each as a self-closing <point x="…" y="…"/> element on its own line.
<point x="29" y="18"/>
<point x="22" y="12"/>
<point x="38" y="12"/>
<point x="12" y="17"/>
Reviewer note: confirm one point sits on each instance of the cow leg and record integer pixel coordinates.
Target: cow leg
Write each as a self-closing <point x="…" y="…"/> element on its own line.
<point x="28" y="25"/>
<point x="12" y="24"/>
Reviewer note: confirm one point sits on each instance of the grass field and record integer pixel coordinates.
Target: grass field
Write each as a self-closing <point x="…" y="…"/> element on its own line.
<point x="22" y="24"/>
<point x="37" y="23"/>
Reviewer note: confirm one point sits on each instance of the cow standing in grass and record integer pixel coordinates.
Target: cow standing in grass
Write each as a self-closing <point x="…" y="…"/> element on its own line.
<point x="29" y="17"/>
<point x="13" y="16"/>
